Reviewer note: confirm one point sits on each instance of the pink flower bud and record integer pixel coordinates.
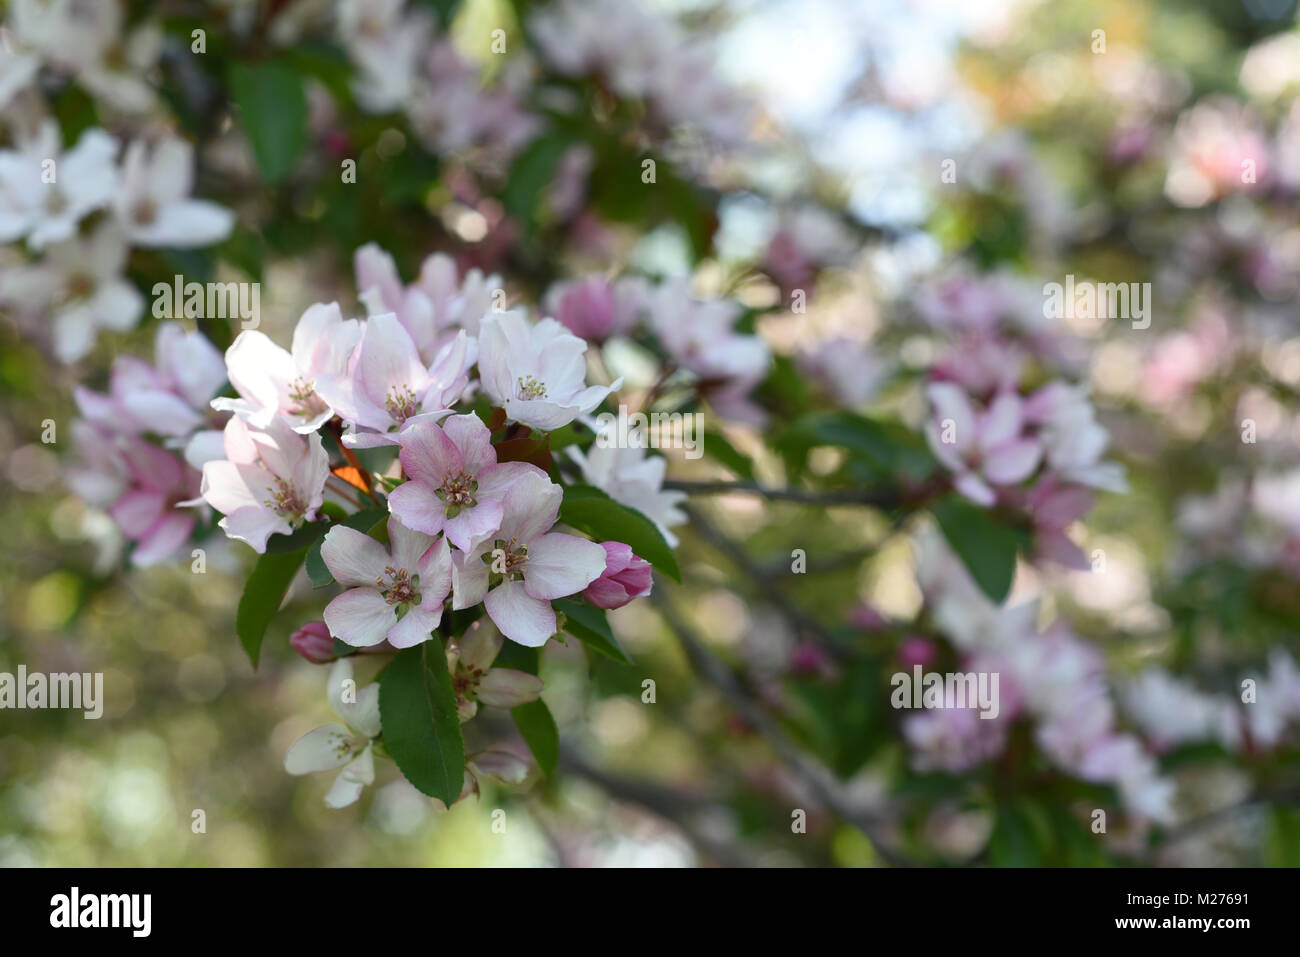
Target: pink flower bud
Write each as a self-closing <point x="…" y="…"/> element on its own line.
<point x="314" y="642"/>
<point x="625" y="577"/>
<point x="917" y="650"/>
<point x="587" y="307"/>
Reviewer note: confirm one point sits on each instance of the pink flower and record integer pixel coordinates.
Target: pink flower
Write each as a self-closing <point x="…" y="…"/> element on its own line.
<point x="170" y="399"/>
<point x="626" y="576"/>
<point x="147" y="512"/>
<point x="595" y="308"/>
<point x="397" y="596"/>
<point x="536" y="372"/>
<point x="314" y="642"/>
<point x="983" y="449"/>
<point x="387" y="385"/>
<point x="519" y="572"/>
<point x="1054" y="507"/>
<point x="272" y="382"/>
<point x="269" y="482"/>
<point x="456" y="484"/>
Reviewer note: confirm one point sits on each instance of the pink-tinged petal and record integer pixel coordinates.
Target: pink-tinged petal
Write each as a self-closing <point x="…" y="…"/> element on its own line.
<point x="429" y="455"/>
<point x="163" y="539"/>
<point x="502" y="337"/>
<point x="259" y="369"/>
<point x="521" y="617"/>
<point x="469" y="577"/>
<point x="531" y="506"/>
<point x="1064" y="505"/>
<point x="473" y="441"/>
<point x="416" y="626"/>
<point x="417" y="507"/>
<point x="435" y="573"/>
<point x="1012" y="462"/>
<point x="228" y="487"/>
<point x="360" y="617"/>
<point x="975" y="489"/>
<point x="137" y="510"/>
<point x="480" y="647"/>
<point x="375" y="269"/>
<point x="353" y="557"/>
<point x="388" y="362"/>
<point x="254" y="525"/>
<point x="496" y="480"/>
<point x="323" y="341"/>
<point x="162" y="412"/>
<point x="323" y="749"/>
<point x="1054" y="545"/>
<point x="507" y="688"/>
<point x="540" y="414"/>
<point x="473" y="526"/>
<point x="560" y="565"/>
<point x="606" y="593"/>
<point x="1002" y="422"/>
<point x="407" y="545"/>
<point x="951" y="402"/>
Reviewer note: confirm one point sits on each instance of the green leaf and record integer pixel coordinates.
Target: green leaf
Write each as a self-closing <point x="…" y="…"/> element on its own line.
<point x="362" y="521"/>
<point x="421" y="727"/>
<point x="592" y="511"/>
<point x="273" y="112"/>
<point x="263" y="593"/>
<point x="539" y="732"/>
<point x="985" y="546"/>
<point x="530" y="174"/>
<point x="587" y="623"/>
<point x="726" y="454"/>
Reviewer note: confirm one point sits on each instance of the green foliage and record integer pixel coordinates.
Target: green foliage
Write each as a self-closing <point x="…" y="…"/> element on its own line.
<point x="421" y="726"/>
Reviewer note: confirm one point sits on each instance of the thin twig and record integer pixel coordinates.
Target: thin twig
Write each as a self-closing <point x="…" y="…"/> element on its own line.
<point x="860" y="496"/>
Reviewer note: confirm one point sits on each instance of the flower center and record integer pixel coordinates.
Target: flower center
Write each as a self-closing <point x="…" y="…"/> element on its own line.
<point x="530" y="388"/>
<point x="401" y="588"/>
<point x="306" y="402"/>
<point x="507" y="560"/>
<point x="458" y="492"/>
<point x="286" y="501"/>
<point x="400" y="403"/>
<point x="466" y="681"/>
<point x="145" y="212"/>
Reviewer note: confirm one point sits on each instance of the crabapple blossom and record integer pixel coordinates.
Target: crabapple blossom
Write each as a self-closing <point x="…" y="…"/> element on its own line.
<point x="387" y="386"/>
<point x="699" y="336"/>
<point x="348" y="746"/>
<point x="154" y="203"/>
<point x="79" y="285"/>
<point x="626" y="576"/>
<point x="395" y="593"/>
<point x="273" y="382"/>
<point x="456" y="484"/>
<point x="536" y="373"/>
<point x="633" y="478"/>
<point x="1073" y="440"/>
<point x="518" y="573"/>
<point x="47" y="211"/>
<point x="474" y="680"/>
<point x="982" y="449"/>
<point x="271" y="481"/>
<point x="168" y="399"/>
<point x="595" y="308"/>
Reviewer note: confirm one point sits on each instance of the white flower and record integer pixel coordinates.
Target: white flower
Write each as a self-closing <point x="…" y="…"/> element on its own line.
<point x="79" y="285"/>
<point x="536" y="373"/>
<point x="632" y="478"/>
<point x="44" y="193"/>
<point x="336" y="746"/>
<point x="155" y="205"/>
